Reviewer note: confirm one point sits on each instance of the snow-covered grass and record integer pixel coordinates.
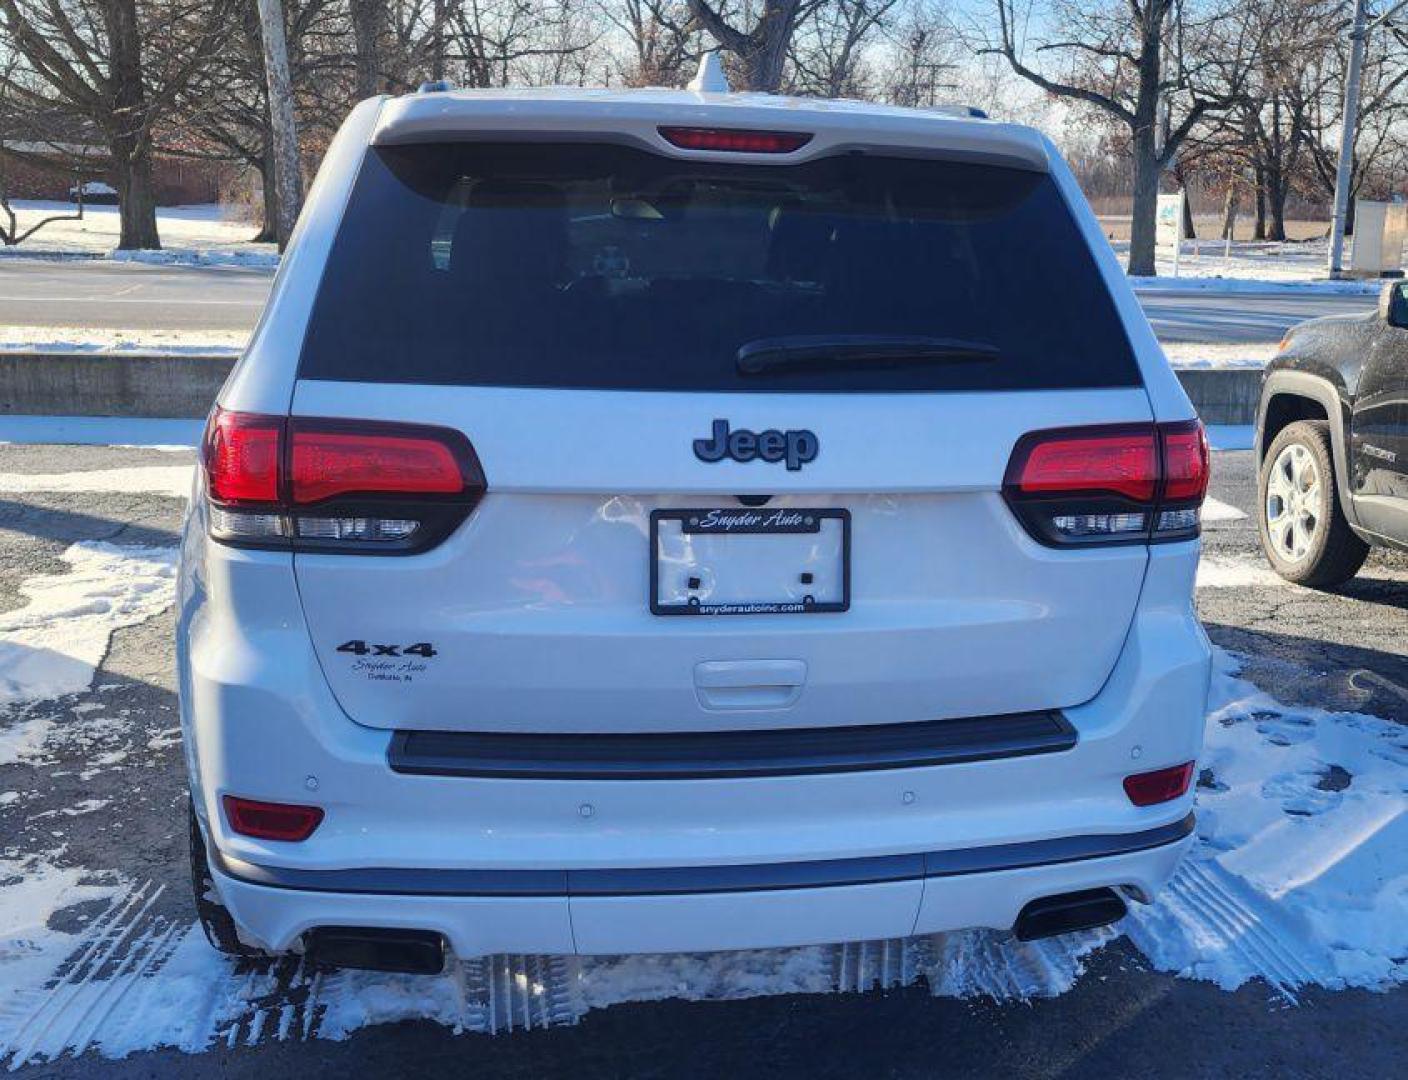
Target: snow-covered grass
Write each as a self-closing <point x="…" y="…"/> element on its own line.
<point x="83" y="339"/>
<point x="200" y="235"/>
<point x="1252" y="266"/>
<point x="1216" y="354"/>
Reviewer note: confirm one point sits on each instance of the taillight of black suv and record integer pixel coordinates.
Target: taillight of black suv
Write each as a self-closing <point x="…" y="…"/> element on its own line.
<point x="357" y="486"/>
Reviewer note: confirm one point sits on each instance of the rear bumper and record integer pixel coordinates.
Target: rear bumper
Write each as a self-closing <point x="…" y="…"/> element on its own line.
<point x="259" y="720"/>
<point x="674" y="909"/>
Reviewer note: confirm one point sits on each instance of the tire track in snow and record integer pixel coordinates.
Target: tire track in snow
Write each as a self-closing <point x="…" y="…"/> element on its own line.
<point x="1207" y="901"/>
<point x="877" y="965"/>
<point x="65" y="1005"/>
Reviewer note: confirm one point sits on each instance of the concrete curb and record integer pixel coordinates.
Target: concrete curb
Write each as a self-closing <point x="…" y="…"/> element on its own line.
<point x="99" y="384"/>
<point x="141" y="384"/>
<point x="1223" y="395"/>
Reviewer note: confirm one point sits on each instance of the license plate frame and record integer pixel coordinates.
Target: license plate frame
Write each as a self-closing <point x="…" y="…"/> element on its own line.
<point x="767" y="514"/>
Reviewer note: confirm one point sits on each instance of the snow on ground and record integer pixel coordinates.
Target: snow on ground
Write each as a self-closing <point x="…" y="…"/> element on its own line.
<point x="178" y="436"/>
<point x="80" y="339"/>
<point x="201" y="235"/>
<point x="1252" y="266"/>
<point x="1300" y="873"/>
<point x="1215" y="354"/>
<point x="171" y="480"/>
<point x="1220" y="436"/>
<point x="1217" y="510"/>
<point x="51" y="646"/>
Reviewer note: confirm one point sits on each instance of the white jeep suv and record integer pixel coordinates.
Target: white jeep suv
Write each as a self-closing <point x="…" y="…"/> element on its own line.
<point x="667" y="520"/>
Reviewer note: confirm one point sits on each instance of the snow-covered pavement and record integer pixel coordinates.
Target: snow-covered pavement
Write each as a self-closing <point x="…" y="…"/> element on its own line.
<point x="1298" y="881"/>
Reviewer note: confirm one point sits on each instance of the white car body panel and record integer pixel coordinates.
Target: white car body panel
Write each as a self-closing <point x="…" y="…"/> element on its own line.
<point x="1003" y="625"/>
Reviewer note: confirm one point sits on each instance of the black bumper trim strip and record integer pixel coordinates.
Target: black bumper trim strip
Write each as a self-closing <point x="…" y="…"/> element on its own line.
<point x="678" y="880"/>
<point x="708" y="755"/>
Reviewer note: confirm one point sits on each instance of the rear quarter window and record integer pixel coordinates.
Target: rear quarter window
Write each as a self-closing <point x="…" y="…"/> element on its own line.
<point x="609" y="267"/>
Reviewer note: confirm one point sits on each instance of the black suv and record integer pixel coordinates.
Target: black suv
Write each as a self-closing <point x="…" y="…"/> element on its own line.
<point x="1332" y="443"/>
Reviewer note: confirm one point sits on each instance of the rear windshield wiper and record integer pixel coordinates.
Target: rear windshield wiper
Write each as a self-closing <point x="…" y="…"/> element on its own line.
<point x="803" y="351"/>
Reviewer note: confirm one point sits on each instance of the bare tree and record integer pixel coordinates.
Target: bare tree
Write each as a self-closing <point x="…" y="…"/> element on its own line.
<point x="759" y="50"/>
<point x="827" y="51"/>
<point x="923" y="58"/>
<point x="1125" y="58"/>
<point x="663" y="36"/>
<point x="119" y="65"/>
<point x="1381" y="141"/>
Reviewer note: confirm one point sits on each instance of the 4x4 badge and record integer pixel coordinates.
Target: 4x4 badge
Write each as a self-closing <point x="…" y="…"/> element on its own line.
<point x="794" y="447"/>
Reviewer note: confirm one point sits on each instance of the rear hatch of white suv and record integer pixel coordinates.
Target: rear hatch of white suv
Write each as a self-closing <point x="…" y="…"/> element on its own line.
<point x="638" y="438"/>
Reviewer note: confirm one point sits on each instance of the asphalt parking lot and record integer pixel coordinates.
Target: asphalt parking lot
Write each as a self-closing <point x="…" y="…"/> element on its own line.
<point x="92" y="786"/>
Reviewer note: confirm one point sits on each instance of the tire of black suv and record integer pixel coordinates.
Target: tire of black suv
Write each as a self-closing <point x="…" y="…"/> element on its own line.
<point x="1330" y="552"/>
<point x="215" y="918"/>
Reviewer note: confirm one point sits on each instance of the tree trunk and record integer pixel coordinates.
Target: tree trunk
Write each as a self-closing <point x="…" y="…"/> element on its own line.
<point x="268" y="184"/>
<point x="1190" y="231"/>
<point x="136" y="197"/>
<point x="1259" y="182"/>
<point x="437" y="41"/>
<point x="128" y="140"/>
<point x="368" y="28"/>
<point x="762" y="67"/>
<point x="1229" y="210"/>
<point x="1276" y="191"/>
<point x="289" y="194"/>
<point x="1146" y="203"/>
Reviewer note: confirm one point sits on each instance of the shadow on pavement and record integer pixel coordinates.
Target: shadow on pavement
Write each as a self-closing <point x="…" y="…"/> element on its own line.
<point x="1320" y="673"/>
<point x="71" y="526"/>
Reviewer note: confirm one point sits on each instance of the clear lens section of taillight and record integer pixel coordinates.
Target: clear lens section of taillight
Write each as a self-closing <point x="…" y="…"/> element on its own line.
<point x="337" y="485"/>
<point x="1109" y="485"/>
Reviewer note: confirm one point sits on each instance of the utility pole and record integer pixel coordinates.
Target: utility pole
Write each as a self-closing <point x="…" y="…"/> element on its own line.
<point x="1344" y="171"/>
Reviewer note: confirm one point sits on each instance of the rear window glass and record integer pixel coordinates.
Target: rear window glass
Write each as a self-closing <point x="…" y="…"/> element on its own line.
<point x="608" y="267"/>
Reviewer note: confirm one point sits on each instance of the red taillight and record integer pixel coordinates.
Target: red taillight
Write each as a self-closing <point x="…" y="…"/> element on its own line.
<point x="271" y="821"/>
<point x="1104" y="485"/>
<point x="329" y="463"/>
<point x="336" y="485"/>
<point x="1121" y="463"/>
<point x="735" y="140"/>
<point x="1159" y="786"/>
<point x="242" y="453"/>
<point x="1185" y="462"/>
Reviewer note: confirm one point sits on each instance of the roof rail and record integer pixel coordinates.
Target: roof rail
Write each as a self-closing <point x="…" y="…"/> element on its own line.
<point x="435" y="86"/>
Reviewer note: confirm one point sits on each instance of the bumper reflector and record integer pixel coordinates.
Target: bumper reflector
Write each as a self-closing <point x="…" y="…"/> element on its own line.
<point x="271" y="821"/>
<point x="1159" y="786"/>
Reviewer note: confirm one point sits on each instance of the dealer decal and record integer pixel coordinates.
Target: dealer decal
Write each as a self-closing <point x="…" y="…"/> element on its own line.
<point x="389" y="663"/>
